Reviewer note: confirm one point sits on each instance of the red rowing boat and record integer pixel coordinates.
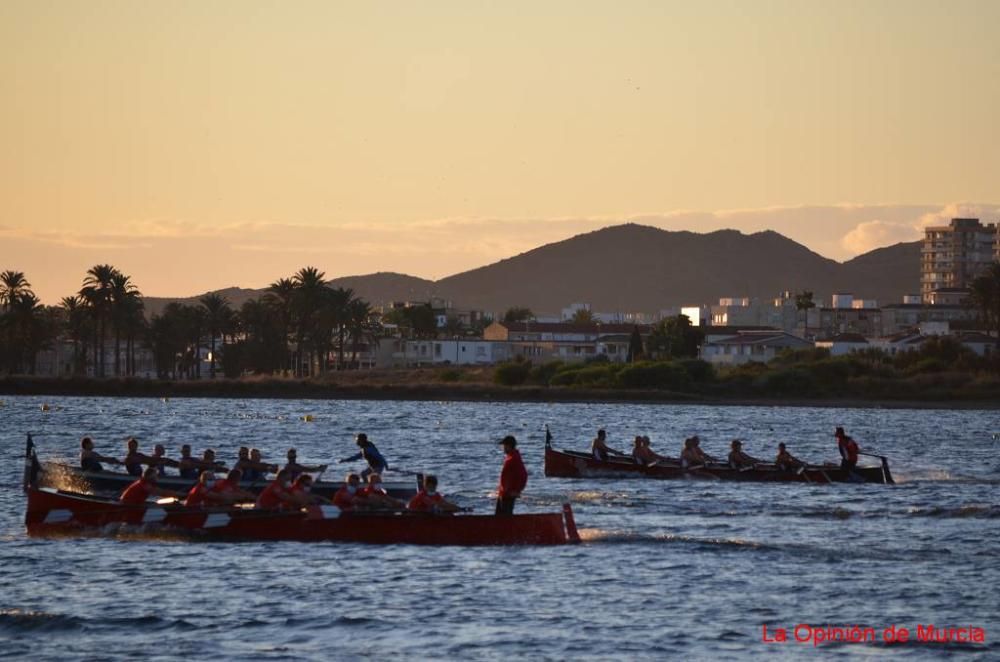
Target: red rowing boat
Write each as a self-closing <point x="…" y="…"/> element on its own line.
<point x="56" y="512"/>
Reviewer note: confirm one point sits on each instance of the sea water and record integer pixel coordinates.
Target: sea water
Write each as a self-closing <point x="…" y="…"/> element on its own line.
<point x="668" y="569"/>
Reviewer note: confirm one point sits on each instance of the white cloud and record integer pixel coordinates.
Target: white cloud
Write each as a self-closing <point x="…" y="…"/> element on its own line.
<point x="870" y="235"/>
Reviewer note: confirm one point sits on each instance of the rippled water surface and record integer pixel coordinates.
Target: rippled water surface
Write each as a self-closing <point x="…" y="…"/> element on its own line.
<point x="679" y="569"/>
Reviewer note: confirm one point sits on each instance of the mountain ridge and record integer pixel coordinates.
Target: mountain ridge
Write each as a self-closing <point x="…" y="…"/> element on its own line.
<point x="640" y="268"/>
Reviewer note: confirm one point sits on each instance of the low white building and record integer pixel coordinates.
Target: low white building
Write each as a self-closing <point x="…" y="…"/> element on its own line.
<point x="451" y="352"/>
<point x="844" y="343"/>
<point x="747" y="346"/>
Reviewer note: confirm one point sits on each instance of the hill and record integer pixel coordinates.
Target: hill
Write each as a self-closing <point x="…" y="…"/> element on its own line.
<point x="637" y="268"/>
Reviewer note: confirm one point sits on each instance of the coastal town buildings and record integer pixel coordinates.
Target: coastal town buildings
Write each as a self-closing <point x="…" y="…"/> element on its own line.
<point x="953" y="255"/>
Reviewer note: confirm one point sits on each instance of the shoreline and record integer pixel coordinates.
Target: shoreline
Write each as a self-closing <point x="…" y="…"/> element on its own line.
<point x="304" y="389"/>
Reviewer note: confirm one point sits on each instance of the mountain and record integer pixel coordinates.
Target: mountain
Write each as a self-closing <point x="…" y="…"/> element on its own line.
<point x="637" y="268"/>
<point x="640" y="268"/>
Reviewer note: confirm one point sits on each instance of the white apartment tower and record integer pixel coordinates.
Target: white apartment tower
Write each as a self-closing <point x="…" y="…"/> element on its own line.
<point x="953" y="255"/>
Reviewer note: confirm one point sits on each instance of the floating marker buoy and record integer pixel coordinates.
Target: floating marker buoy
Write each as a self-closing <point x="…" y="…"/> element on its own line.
<point x="308" y="418"/>
<point x="45" y="406"/>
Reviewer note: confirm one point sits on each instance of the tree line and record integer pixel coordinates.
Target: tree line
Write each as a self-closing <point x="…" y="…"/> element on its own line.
<point x="297" y="326"/>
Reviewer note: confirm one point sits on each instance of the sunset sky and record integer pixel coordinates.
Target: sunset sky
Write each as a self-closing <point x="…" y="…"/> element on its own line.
<point x="198" y="145"/>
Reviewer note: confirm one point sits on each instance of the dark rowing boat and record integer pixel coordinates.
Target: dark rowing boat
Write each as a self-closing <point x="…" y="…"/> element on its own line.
<point x="574" y="464"/>
<point x="52" y="511"/>
<point x="111" y="483"/>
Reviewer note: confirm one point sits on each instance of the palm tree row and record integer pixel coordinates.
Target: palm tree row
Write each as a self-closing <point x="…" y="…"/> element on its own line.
<point x="297" y="327"/>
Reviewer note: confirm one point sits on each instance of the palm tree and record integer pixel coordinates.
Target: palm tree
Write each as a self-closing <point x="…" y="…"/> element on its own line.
<point x="804" y="301"/>
<point x="34" y="326"/>
<point x="310" y="290"/>
<point x="97" y="293"/>
<point x="339" y="302"/>
<point x="985" y="295"/>
<point x="281" y="298"/>
<point x="362" y="326"/>
<point x="218" y="318"/>
<point x="12" y="283"/>
<point x="74" y="308"/>
<point x="120" y="304"/>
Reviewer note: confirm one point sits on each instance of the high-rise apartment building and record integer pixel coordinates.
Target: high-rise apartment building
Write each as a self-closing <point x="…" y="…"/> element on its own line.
<point x="952" y="256"/>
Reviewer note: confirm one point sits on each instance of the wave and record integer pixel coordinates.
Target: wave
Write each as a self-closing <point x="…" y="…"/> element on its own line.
<point x="985" y="511"/>
<point x="13" y="621"/>
<point x="603" y="536"/>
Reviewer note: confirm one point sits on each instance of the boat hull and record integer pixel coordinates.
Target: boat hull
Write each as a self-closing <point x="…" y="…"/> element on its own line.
<point x="572" y="464"/>
<point x="111" y="483"/>
<point x="51" y="512"/>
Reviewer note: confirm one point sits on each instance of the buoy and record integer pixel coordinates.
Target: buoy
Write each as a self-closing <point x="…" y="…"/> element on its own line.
<point x="45" y="406"/>
<point x="308" y="418"/>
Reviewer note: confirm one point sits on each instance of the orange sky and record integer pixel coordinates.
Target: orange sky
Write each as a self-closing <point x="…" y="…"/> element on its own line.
<point x="198" y="145"/>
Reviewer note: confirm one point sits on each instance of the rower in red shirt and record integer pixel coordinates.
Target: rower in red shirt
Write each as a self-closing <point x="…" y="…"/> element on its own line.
<point x="202" y="495"/>
<point x="347" y="496"/>
<point x="374" y="496"/>
<point x="276" y="495"/>
<point x="145" y="487"/>
<point x="848" y="450"/>
<point x="228" y="489"/>
<point x="300" y="492"/>
<point x="428" y="500"/>
<point x="513" y="477"/>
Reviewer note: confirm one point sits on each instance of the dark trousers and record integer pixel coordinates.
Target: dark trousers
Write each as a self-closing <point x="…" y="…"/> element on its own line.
<point x="847" y="464"/>
<point x="505" y="505"/>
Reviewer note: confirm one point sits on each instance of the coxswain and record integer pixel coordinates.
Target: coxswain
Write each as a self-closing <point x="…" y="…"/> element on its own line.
<point x="377" y="463"/>
<point x="374" y="497"/>
<point x="428" y="500"/>
<point x="599" y="447"/>
<point x="295" y="468"/>
<point x="275" y="495"/>
<point x="201" y="494"/>
<point x="347" y="498"/>
<point x="145" y="487"/>
<point x="134" y="459"/>
<point x="848" y="450"/>
<point x="738" y="459"/>
<point x="513" y="477"/>
<point x="90" y="460"/>
<point x="785" y="461"/>
<point x="228" y="489"/>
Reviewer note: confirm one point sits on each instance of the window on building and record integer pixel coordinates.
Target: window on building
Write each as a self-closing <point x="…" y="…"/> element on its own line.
<point x="437" y="349"/>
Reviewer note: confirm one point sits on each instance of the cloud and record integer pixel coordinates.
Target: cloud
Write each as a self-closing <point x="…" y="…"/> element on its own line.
<point x="876" y="234"/>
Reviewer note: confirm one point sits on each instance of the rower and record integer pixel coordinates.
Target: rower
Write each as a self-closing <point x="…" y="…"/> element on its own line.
<point x="848" y="450"/>
<point x="705" y="457"/>
<point x="253" y="469"/>
<point x="785" y="461"/>
<point x="188" y="467"/>
<point x="377" y="463"/>
<point x="644" y="455"/>
<point x="738" y="459"/>
<point x="228" y="489"/>
<point x="275" y="495"/>
<point x="159" y="454"/>
<point x="374" y="496"/>
<point x="428" y="500"/>
<point x="300" y="492"/>
<point x="693" y="455"/>
<point x="134" y="459"/>
<point x="90" y="460"/>
<point x="599" y="447"/>
<point x="207" y="461"/>
<point x="294" y="468"/>
<point x="142" y="489"/>
<point x="201" y="494"/>
<point x="347" y="498"/>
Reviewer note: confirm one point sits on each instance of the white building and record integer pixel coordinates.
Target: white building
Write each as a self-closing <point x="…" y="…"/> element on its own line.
<point x="747" y="346"/>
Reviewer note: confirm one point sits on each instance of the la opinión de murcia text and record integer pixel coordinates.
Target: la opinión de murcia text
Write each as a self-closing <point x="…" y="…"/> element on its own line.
<point x="817" y="635"/>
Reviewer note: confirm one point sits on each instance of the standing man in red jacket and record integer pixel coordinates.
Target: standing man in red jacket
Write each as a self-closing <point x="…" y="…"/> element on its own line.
<point x="513" y="477"/>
